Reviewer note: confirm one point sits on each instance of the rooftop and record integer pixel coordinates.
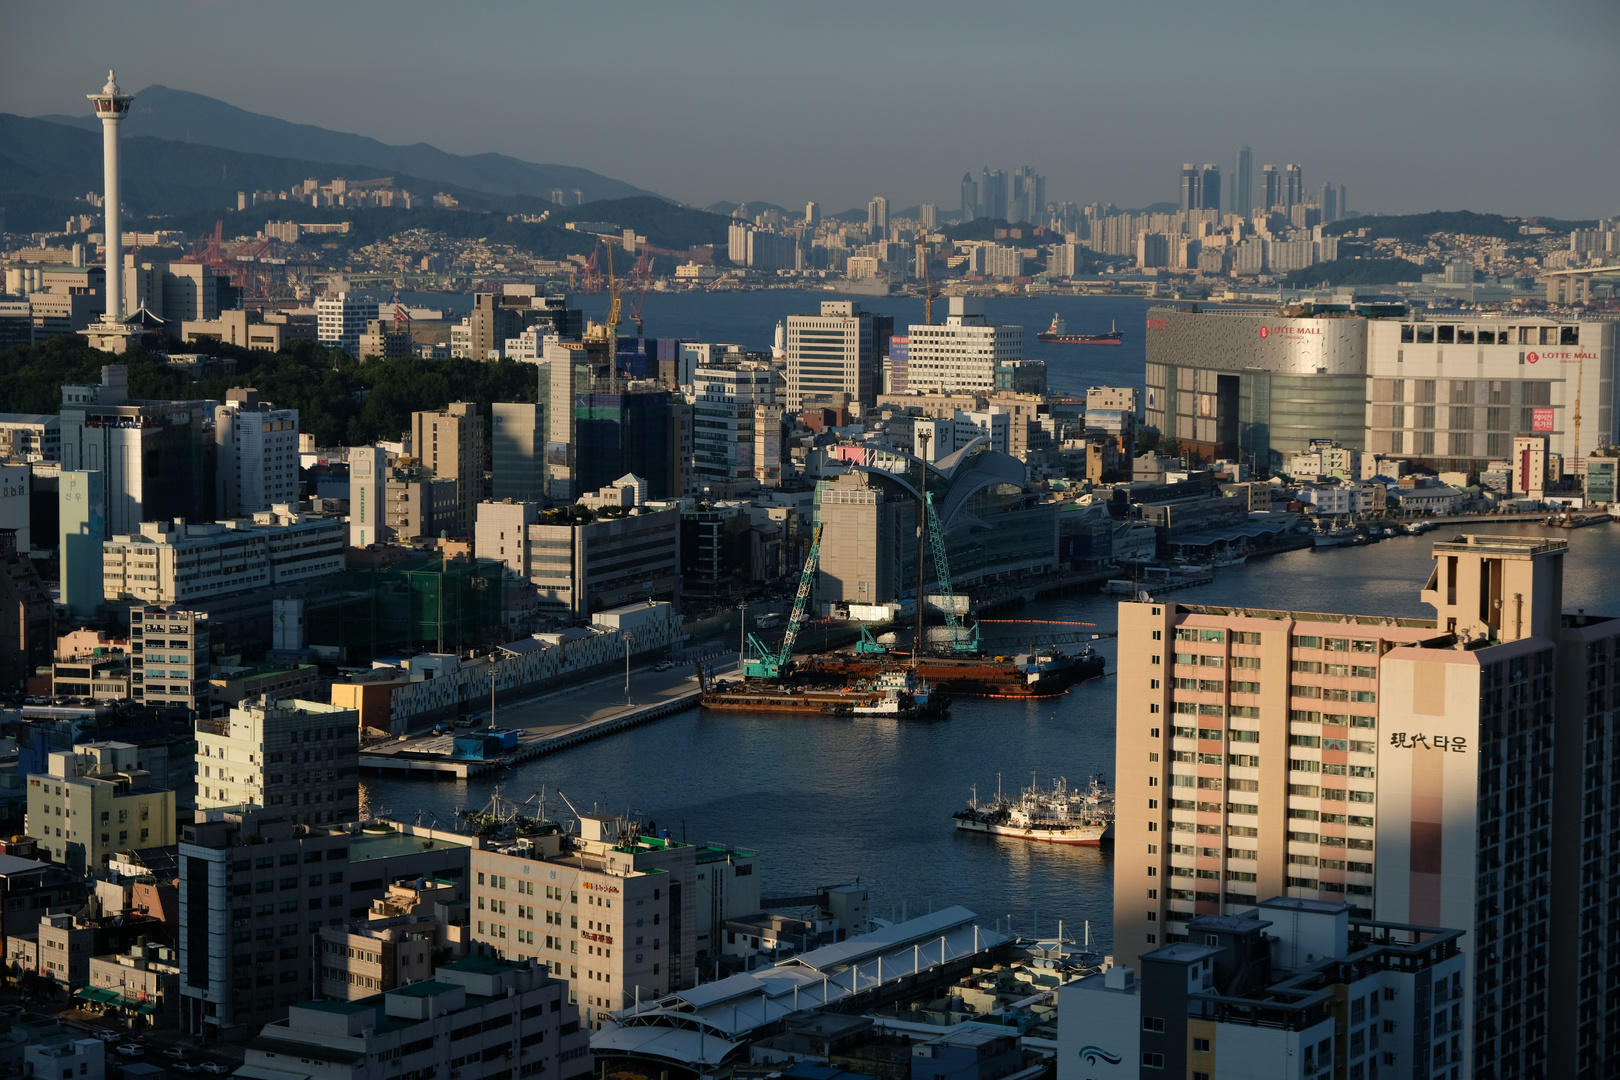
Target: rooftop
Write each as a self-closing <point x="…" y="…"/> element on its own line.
<point x="369" y="844"/>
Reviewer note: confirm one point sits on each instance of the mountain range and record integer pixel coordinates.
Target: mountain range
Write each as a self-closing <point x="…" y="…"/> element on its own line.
<point x="181" y="116"/>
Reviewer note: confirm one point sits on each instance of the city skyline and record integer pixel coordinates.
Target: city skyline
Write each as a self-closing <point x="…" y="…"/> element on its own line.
<point x="646" y="125"/>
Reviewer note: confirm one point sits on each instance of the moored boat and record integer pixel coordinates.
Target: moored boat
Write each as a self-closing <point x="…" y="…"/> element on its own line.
<point x="1054" y="815"/>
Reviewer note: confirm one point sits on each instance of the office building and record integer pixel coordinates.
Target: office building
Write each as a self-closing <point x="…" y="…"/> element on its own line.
<point x="1271" y="193"/>
<point x="582" y="568"/>
<point x="257" y="466"/>
<point x="169" y="562"/>
<point x="27" y="615"/>
<point x="993" y="194"/>
<point x="1027" y="197"/>
<point x="253" y="893"/>
<point x="1294" y="988"/>
<point x="970" y="198"/>
<point x="518" y="451"/>
<point x="628" y="430"/>
<point x="1365" y="759"/>
<point x="298" y="759"/>
<point x="169" y="658"/>
<point x="341" y="319"/>
<point x="368" y="494"/>
<point x="812" y="214"/>
<point x="1242" y="193"/>
<point x="94" y="801"/>
<point x="384" y="339"/>
<point x="449" y="442"/>
<point x="616" y="914"/>
<point x="964" y="353"/>
<point x="174" y="292"/>
<point x="157" y="458"/>
<point x="30" y="436"/>
<point x="1255" y="385"/>
<point x="1454" y="393"/>
<point x="490" y="324"/>
<point x="420" y="506"/>
<point x="472" y="1010"/>
<point x="732" y="400"/>
<point x="1111" y="413"/>
<point x="831" y="355"/>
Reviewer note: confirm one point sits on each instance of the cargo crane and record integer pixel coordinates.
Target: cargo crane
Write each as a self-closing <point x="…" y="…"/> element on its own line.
<point x="592" y="278"/>
<point x="963" y="641"/>
<point x="770" y="664"/>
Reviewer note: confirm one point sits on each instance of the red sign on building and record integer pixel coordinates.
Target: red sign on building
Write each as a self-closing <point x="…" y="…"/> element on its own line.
<point x="1543" y="420"/>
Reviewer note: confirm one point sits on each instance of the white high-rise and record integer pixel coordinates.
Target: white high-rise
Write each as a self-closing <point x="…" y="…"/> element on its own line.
<point x="340" y="320"/>
<point x="257" y="463"/>
<point x="962" y="354"/>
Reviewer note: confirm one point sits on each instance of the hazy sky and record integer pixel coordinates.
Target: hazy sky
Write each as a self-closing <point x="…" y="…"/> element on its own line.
<point x="1434" y="104"/>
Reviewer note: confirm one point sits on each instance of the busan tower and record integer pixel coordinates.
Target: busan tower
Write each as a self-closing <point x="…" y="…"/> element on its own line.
<point x="111" y="334"/>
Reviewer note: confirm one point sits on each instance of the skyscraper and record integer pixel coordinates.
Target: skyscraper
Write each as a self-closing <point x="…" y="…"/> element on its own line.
<point x="831" y="354"/>
<point x="812" y="214"/>
<point x="450" y="442"/>
<point x="928" y="214"/>
<point x="1329" y="201"/>
<point x="970" y="197"/>
<point x="1209" y="188"/>
<point x="1293" y="185"/>
<point x="1344" y="203"/>
<point x="1270" y="188"/>
<point x="993" y="195"/>
<point x="1243" y="182"/>
<point x="877" y="218"/>
<point x="1189" y="188"/>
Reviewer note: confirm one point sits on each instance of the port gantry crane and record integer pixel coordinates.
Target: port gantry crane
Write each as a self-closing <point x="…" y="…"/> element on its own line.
<point x="768" y="663"/>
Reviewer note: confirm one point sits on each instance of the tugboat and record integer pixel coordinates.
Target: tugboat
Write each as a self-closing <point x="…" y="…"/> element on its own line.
<point x="1055" y="815"/>
<point x="1058" y="334"/>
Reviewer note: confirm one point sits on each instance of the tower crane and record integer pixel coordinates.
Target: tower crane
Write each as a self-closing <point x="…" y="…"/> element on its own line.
<point x="640" y="284"/>
<point x="928" y="283"/>
<point x="963" y="642"/>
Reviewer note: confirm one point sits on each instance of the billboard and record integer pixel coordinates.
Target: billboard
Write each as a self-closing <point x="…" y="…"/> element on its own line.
<point x="1543" y="420"/>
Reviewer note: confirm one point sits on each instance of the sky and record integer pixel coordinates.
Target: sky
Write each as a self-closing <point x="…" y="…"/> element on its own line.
<point x="1483" y="105"/>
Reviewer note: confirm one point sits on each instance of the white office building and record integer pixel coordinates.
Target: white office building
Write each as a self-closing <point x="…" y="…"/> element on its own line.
<point x="297" y="758"/>
<point x="728" y="401"/>
<point x="169" y="562"/>
<point x="257" y="464"/>
<point x="341" y="319"/>
<point x="962" y="354"/>
<point x="831" y="355"/>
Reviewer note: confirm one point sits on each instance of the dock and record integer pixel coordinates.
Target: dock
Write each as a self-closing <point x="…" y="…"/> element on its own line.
<point x="548" y="723"/>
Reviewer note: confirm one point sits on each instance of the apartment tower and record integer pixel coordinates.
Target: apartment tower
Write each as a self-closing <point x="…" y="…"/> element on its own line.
<point x="450" y="442"/>
<point x="1405" y="766"/>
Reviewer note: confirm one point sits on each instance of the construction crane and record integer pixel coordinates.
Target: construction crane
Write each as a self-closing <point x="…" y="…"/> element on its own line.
<point x="592" y="279"/>
<point x="963" y="642"/>
<point x="613" y="319"/>
<point x="928" y="284"/>
<point x="769" y="664"/>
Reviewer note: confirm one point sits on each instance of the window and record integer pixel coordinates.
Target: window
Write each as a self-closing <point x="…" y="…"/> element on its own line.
<point x="1153" y="1023"/>
<point x="1152" y="1061"/>
<point x="1201" y="1046"/>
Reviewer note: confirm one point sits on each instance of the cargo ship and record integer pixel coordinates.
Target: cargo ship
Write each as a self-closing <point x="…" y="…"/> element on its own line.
<point x="1055" y="815"/>
<point x="1025" y="675"/>
<point x="1058" y="334"/>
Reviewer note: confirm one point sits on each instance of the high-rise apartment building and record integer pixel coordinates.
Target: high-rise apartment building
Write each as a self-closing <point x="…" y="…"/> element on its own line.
<point x="1242" y="196"/>
<point x="928" y="215"/>
<point x="993" y="194"/>
<point x="450" y="443"/>
<point x="964" y="353"/>
<point x="1293" y="192"/>
<point x="341" y="319"/>
<point x="1200" y="187"/>
<point x="1426" y="771"/>
<point x="299" y="759"/>
<point x="812" y="214"/>
<point x="970" y="198"/>
<point x="877" y="218"/>
<point x="518" y="451"/>
<point x="1271" y="193"/>
<point x="831" y="354"/>
<point x="490" y="324"/>
<point x="257" y="466"/>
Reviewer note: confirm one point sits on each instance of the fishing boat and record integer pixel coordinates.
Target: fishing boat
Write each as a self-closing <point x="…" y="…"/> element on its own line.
<point x="1057" y="814"/>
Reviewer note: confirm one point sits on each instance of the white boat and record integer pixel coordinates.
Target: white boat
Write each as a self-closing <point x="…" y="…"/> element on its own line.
<point x="1054" y="815"/>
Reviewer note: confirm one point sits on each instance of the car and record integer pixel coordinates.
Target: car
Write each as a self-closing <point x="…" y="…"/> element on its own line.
<point x="175" y="1052"/>
<point x="107" y="1036"/>
<point x="663" y="665"/>
<point x="130" y="1050"/>
<point x="183" y="1066"/>
<point x="212" y="1068"/>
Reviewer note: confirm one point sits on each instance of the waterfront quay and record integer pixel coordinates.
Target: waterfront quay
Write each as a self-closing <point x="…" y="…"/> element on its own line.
<point x="547" y="723"/>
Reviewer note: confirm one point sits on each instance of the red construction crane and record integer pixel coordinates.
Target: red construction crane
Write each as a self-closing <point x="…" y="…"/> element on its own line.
<point x="592" y="282"/>
<point x="641" y="280"/>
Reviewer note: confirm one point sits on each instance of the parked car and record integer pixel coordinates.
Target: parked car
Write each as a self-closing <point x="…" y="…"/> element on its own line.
<point x="107" y="1036"/>
<point x="212" y="1068"/>
<point x="663" y="665"/>
<point x="176" y="1052"/>
<point x="183" y="1066"/>
<point x="131" y="1050"/>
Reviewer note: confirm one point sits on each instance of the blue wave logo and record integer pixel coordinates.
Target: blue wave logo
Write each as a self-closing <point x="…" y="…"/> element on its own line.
<point x="1091" y="1055"/>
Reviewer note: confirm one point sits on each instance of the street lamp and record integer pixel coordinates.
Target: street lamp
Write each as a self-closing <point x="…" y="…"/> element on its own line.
<point x="628" y="638"/>
<point x="742" y="632"/>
